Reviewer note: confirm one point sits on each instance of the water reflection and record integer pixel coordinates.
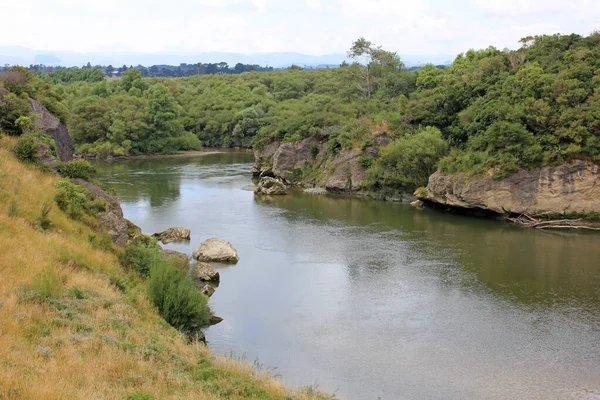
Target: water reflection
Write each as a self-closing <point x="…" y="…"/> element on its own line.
<point x="521" y="265"/>
<point x="381" y="299"/>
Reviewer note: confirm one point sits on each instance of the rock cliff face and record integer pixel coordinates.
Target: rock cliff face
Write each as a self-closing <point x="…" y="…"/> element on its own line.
<point x="112" y="219"/>
<point x="569" y="188"/>
<point x="308" y="162"/>
<point x="47" y="123"/>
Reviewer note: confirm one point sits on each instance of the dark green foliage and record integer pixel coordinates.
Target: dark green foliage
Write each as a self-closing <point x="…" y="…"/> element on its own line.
<point x="365" y="161"/>
<point x="76" y="169"/>
<point x="46" y="140"/>
<point x="142" y="255"/>
<point x="13" y="109"/>
<point x="25" y="149"/>
<point x="76" y="201"/>
<point x="43" y="218"/>
<point x="178" y="301"/>
<point x="409" y="161"/>
<point x="496" y="110"/>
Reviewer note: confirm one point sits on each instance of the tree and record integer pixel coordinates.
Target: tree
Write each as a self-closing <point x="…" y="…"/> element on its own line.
<point x="410" y="160"/>
<point x="373" y="64"/>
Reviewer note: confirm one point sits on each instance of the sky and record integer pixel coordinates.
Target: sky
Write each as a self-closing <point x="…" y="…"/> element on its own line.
<point x="305" y="26"/>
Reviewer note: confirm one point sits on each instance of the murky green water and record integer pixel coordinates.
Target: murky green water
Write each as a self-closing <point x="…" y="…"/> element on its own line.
<point x="370" y="299"/>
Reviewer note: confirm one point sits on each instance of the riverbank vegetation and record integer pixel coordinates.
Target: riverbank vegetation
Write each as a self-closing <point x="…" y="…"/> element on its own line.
<point x="75" y="322"/>
<point x="498" y="110"/>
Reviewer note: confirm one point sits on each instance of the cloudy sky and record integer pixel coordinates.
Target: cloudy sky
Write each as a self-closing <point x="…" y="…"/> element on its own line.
<point x="306" y="26"/>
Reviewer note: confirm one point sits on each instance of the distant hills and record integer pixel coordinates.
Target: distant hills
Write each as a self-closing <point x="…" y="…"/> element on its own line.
<point x="16" y="55"/>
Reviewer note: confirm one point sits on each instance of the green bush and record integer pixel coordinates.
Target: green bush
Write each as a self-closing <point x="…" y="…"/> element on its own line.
<point x="178" y="301"/>
<point x="365" y="161"/>
<point x="410" y="160"/>
<point x="43" y="219"/>
<point x="142" y="255"/>
<point x="76" y="201"/>
<point x="25" y="149"/>
<point x="102" y="241"/>
<point x="76" y="169"/>
<point x="42" y="137"/>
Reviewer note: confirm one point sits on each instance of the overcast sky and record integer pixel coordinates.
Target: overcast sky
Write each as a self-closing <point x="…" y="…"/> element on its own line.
<point x="306" y="26"/>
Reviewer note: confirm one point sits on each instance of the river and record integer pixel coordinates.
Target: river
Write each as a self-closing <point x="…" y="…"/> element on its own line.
<point x="368" y="299"/>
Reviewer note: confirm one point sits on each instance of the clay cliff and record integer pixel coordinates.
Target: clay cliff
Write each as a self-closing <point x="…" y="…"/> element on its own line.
<point x="569" y="188"/>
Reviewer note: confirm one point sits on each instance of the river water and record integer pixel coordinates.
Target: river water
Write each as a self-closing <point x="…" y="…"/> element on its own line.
<point x="367" y="299"/>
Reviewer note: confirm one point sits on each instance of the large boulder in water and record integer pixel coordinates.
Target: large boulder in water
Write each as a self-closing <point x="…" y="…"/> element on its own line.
<point x="216" y="250"/>
<point x="270" y="186"/>
<point x="205" y="272"/>
<point x="173" y="235"/>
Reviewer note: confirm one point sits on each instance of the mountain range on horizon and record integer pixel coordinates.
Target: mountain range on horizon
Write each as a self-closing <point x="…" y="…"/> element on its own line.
<point x="17" y="55"/>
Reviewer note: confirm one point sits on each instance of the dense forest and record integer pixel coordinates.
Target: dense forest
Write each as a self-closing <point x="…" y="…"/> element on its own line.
<point x="492" y="109"/>
<point x="89" y="73"/>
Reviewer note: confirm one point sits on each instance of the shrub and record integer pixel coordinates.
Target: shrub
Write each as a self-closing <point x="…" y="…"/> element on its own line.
<point x="142" y="255"/>
<point x="25" y="149"/>
<point x="43" y="218"/>
<point x="365" y="161"/>
<point x="410" y="160"/>
<point x="102" y="241"/>
<point x="76" y="169"/>
<point x="178" y="301"/>
<point x="76" y="201"/>
<point x="42" y="137"/>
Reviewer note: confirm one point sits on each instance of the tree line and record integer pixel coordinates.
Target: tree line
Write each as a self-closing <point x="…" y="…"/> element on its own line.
<point x="491" y="110"/>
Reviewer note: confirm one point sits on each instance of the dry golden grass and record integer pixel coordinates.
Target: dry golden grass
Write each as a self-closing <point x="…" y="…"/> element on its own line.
<point x="87" y="339"/>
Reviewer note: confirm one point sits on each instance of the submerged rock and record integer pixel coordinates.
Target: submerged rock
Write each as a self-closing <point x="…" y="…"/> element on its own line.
<point x="173" y="235"/>
<point x="183" y="258"/>
<point x="270" y="186"/>
<point x="318" y="191"/>
<point x="216" y="250"/>
<point x="205" y="272"/>
<point x="417" y="204"/>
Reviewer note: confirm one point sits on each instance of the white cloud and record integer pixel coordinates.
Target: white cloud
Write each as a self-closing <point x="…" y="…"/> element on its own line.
<point x="309" y="26"/>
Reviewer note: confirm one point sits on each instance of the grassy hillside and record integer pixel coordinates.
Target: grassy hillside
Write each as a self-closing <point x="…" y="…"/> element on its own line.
<point x="75" y="325"/>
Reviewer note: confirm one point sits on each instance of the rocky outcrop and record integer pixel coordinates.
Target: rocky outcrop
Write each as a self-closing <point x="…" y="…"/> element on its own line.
<point x="569" y="188"/>
<point x="216" y="250"/>
<point x="183" y="258"/>
<point x="310" y="163"/>
<point x="44" y="155"/>
<point x="111" y="218"/>
<point x="173" y="235"/>
<point x="270" y="186"/>
<point x="208" y="290"/>
<point x="45" y="122"/>
<point x="205" y="272"/>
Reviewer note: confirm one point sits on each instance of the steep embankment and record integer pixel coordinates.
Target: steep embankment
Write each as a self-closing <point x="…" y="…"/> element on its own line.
<point x="312" y="163"/>
<point x="572" y="188"/>
<point x="75" y="325"/>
